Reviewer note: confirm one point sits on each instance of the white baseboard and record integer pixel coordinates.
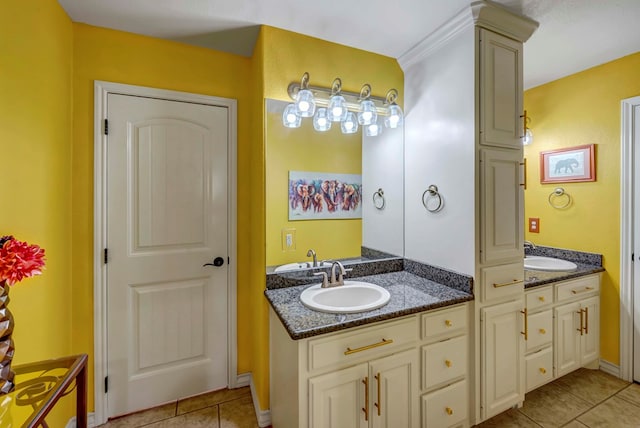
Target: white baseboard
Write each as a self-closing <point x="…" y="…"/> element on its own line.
<point x="91" y="423"/>
<point x="263" y="416"/>
<point x="610" y="368"/>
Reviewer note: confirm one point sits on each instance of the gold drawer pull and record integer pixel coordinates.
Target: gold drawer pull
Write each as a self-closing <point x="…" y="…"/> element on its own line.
<point x="505" y="284"/>
<point x="581" y="329"/>
<point x="543" y="331"/>
<point x="365" y="409"/>
<point x="449" y="410"/>
<point x="379" y="403"/>
<point x="584" y="290"/>
<point x="541" y="298"/>
<point x="525" y="333"/>
<point x="543" y="370"/>
<point x="448" y="363"/>
<point x="448" y="323"/>
<point x="367" y="347"/>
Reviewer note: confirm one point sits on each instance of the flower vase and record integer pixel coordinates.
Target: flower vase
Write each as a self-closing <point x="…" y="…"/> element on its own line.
<point x="6" y="343"/>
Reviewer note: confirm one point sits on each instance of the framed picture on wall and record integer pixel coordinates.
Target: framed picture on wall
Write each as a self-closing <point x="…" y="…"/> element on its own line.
<point x="569" y="165"/>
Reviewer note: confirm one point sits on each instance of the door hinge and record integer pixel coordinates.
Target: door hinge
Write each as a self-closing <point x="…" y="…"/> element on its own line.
<point x="106" y="256"/>
<point x="632" y="254"/>
<point x="106" y="384"/>
<point x="106" y="127"/>
<point x="228" y="260"/>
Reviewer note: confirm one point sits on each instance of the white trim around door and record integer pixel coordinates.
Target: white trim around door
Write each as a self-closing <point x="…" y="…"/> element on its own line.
<point x="627" y="154"/>
<point x="101" y="90"/>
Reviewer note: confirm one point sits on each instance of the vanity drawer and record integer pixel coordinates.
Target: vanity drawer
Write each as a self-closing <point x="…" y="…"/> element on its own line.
<point x="355" y="345"/>
<point x="501" y="282"/>
<point x="577" y="288"/>
<point x="538" y="298"/>
<point x="444" y="361"/>
<point x="445" y="407"/>
<point x="540" y="328"/>
<point x="539" y="368"/>
<point x="446" y="322"/>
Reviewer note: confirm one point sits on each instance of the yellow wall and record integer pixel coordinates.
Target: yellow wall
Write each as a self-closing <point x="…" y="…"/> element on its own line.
<point x="101" y="54"/>
<point x="36" y="42"/>
<point x="305" y="149"/>
<point x="584" y="108"/>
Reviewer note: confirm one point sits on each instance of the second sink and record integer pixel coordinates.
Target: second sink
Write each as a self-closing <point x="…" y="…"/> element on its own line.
<point x="548" y="264"/>
<point x="352" y="297"/>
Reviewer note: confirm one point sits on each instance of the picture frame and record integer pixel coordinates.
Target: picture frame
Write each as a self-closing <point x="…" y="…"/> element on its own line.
<point x="568" y="165"/>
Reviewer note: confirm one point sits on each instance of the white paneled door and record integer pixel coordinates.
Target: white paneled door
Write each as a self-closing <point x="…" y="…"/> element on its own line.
<point x="167" y="250"/>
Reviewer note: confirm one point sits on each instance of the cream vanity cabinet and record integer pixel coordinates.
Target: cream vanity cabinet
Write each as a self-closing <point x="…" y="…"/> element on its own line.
<point x="378" y="375"/>
<point x="562" y="329"/>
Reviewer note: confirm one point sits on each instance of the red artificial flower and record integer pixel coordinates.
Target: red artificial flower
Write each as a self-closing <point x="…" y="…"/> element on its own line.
<point x="19" y="260"/>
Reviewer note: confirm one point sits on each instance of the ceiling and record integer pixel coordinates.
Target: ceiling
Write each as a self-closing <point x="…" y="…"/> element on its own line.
<point x="573" y="35"/>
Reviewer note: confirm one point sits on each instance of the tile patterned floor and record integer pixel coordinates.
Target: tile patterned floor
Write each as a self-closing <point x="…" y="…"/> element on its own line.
<point x="227" y="408"/>
<point x="582" y="399"/>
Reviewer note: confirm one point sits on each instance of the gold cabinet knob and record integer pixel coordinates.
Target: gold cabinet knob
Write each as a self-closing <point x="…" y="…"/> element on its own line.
<point x="449" y="410"/>
<point x="543" y="370"/>
<point x="541" y="298"/>
<point x="543" y="331"/>
<point x="448" y="323"/>
<point x="447" y="363"/>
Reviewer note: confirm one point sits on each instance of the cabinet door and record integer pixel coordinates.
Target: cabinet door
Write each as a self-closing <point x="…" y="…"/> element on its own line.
<point x="337" y="399"/>
<point x="394" y="390"/>
<point x="567" y="346"/>
<point x="500" y="90"/>
<point x="501" y="206"/>
<point x="502" y="357"/>
<point x="590" y="340"/>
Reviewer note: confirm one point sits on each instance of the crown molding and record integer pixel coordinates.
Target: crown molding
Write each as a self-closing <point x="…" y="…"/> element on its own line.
<point x="484" y="14"/>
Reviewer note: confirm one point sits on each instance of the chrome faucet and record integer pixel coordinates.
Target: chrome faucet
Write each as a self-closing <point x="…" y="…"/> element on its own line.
<point x="336" y="278"/>
<point x="530" y="245"/>
<point x="312" y="253"/>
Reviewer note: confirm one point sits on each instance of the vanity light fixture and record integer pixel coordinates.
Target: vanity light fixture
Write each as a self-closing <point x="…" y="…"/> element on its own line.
<point x="351" y="109"/>
<point x="527" y="138"/>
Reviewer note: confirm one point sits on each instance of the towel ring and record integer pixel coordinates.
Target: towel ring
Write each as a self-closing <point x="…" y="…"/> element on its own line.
<point x="378" y="199"/>
<point x="433" y="193"/>
<point x="559" y="192"/>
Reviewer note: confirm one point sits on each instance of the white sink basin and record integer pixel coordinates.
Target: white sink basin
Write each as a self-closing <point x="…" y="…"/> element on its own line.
<point x="352" y="297"/>
<point x="548" y="264"/>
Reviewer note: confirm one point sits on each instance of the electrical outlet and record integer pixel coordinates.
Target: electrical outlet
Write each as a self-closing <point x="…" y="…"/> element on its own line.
<point x="288" y="239"/>
<point x="534" y="225"/>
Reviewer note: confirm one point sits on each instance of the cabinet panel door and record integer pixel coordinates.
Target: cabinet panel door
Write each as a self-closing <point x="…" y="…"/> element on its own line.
<point x="502" y="357"/>
<point x="501" y="206"/>
<point x="394" y="390"/>
<point x="500" y="90"/>
<point x="567" y="346"/>
<point x="590" y="347"/>
<point x="337" y="399"/>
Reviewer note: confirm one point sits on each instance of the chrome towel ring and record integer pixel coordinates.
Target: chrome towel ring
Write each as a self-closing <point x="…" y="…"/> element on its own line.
<point x="378" y="199"/>
<point x="432" y="200"/>
<point x="559" y="199"/>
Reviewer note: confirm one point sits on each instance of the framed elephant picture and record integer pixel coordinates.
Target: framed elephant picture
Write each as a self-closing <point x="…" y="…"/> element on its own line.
<point x="569" y="165"/>
<point x="324" y="195"/>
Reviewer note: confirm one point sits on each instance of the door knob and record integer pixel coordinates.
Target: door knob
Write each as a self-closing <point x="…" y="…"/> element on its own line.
<point x="217" y="262"/>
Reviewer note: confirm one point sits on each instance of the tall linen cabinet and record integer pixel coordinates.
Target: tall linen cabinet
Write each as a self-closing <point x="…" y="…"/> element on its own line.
<point x="463" y="133"/>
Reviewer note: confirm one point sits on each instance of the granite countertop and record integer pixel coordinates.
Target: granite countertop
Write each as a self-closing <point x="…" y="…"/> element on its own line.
<point x="588" y="263"/>
<point x="409" y="294"/>
<point x="535" y="278"/>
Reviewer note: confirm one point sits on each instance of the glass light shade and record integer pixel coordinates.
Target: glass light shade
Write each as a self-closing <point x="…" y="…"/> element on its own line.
<point x="395" y="117"/>
<point x="321" y="120"/>
<point x="350" y="124"/>
<point x="337" y="108"/>
<point x="367" y="114"/>
<point x="373" y="130"/>
<point x="305" y="103"/>
<point x="528" y="137"/>
<point x="289" y="117"/>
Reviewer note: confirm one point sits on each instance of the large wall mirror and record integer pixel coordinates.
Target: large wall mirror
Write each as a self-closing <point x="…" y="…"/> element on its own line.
<point x="340" y="195"/>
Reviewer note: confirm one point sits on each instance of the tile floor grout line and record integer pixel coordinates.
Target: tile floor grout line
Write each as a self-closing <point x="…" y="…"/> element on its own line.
<point x="529" y="417"/>
<point x="626" y="400"/>
<point x="594" y="405"/>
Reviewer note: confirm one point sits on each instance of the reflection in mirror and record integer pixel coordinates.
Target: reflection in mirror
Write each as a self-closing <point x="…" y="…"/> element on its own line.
<point x="329" y="195"/>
